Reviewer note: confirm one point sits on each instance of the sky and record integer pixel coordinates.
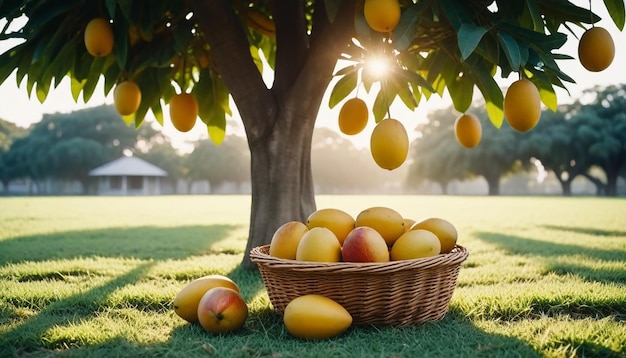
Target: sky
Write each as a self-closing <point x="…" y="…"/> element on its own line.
<point x="17" y="107"/>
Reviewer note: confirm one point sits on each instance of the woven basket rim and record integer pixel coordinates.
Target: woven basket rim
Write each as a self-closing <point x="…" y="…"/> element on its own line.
<point x="260" y="256"/>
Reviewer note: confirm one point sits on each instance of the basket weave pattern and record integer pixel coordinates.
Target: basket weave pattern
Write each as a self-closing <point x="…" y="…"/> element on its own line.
<point x="397" y="293"/>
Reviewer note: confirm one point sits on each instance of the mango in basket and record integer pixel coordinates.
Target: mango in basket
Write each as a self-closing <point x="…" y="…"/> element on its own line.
<point x="187" y="300"/>
<point x="315" y="317"/>
<point x="337" y="221"/>
<point x="364" y="244"/>
<point x="415" y="244"/>
<point x="320" y="245"/>
<point x="388" y="222"/>
<point x="286" y="239"/>
<point x="445" y="231"/>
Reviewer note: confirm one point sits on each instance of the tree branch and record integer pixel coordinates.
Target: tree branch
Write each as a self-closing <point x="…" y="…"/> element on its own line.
<point x="327" y="43"/>
<point x="291" y="42"/>
<point x="230" y="52"/>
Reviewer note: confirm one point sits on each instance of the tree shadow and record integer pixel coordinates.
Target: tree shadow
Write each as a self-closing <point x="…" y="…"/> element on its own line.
<point x="550" y="252"/>
<point x="526" y="246"/>
<point x="121" y="242"/>
<point x="265" y="335"/>
<point x="586" y="230"/>
<point x="27" y="336"/>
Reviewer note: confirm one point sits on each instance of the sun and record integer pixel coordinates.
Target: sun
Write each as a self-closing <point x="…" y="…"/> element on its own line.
<point x="378" y="66"/>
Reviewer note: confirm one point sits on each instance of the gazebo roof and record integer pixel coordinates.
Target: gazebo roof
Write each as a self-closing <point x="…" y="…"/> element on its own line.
<point x="128" y="166"/>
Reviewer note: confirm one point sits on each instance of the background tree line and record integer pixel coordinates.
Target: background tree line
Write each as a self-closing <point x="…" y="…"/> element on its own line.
<point x="586" y="138"/>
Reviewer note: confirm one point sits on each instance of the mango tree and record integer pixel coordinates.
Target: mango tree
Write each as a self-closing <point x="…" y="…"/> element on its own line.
<point x="214" y="49"/>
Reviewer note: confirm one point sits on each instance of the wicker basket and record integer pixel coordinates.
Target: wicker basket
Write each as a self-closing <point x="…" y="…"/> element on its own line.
<point x="397" y="293"/>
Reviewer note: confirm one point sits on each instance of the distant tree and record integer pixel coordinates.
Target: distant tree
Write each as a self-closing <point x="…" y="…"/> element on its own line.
<point x="442" y="159"/>
<point x="435" y="152"/>
<point x="218" y="164"/>
<point x="165" y="156"/>
<point x="601" y="129"/>
<point x="9" y="132"/>
<point x="99" y="134"/>
<point x="73" y="159"/>
<point x="338" y="166"/>
<point x="555" y="144"/>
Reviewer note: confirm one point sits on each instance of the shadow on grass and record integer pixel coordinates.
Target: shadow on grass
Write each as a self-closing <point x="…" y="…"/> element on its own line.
<point x="264" y="335"/>
<point x="526" y="246"/>
<point x="27" y="336"/>
<point x="549" y="251"/>
<point x="163" y="243"/>
<point x="586" y="231"/>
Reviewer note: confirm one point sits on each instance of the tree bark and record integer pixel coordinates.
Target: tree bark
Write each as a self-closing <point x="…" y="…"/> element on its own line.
<point x="493" y="182"/>
<point x="279" y="122"/>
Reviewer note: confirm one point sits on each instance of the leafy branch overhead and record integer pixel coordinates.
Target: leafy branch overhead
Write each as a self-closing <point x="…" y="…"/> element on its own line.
<point x="460" y="45"/>
<point x="436" y="45"/>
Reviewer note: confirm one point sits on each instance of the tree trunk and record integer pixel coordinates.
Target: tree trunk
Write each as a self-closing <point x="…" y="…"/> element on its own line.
<point x="279" y="122"/>
<point x="566" y="185"/>
<point x="612" y="174"/>
<point x="600" y="186"/>
<point x="282" y="185"/>
<point x="444" y="187"/>
<point x="493" y="181"/>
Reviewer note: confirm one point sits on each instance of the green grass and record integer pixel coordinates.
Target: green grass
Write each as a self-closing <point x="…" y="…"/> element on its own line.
<point x="96" y="276"/>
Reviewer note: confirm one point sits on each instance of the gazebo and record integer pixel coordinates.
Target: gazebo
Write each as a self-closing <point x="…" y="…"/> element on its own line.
<point x="128" y="176"/>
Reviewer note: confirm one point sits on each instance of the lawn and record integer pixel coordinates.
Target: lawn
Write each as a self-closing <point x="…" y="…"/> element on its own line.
<point x="95" y="276"/>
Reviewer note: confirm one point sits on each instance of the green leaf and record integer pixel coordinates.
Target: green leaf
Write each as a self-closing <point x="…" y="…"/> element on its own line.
<point x="381" y="106"/>
<point x="495" y="112"/>
<point x="405" y="31"/>
<point x="157" y="111"/>
<point x="127" y="8"/>
<point x="111" y="5"/>
<point x="346" y="70"/>
<point x="110" y="78"/>
<point x="469" y="37"/>
<point x="43" y="87"/>
<point x="10" y="60"/>
<point x="63" y="62"/>
<point x="535" y="14"/>
<point x="617" y="12"/>
<point x="120" y="30"/>
<point x="342" y="89"/>
<point x="548" y="97"/>
<point x="182" y="36"/>
<point x="217" y="128"/>
<point x="332" y="7"/>
<point x="92" y="80"/>
<point x="403" y="91"/>
<point x="454" y="13"/>
<point x="511" y="50"/>
<point x="413" y="77"/>
<point x="546" y="90"/>
<point x="491" y="92"/>
<point x="129" y="119"/>
<point x="76" y="87"/>
<point x="462" y="92"/>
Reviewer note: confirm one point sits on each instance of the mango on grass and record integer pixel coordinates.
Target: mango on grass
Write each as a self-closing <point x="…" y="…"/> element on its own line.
<point x="316" y="317"/>
<point x="186" y="301"/>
